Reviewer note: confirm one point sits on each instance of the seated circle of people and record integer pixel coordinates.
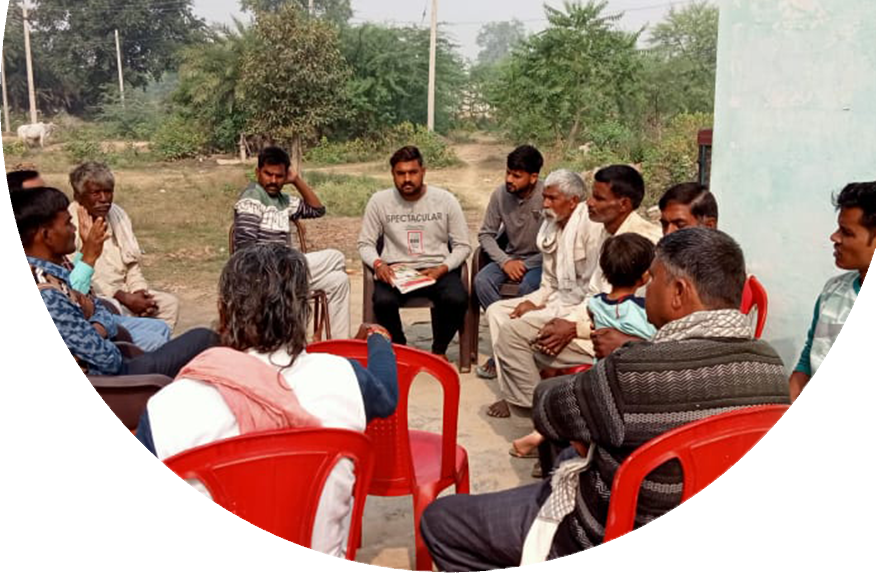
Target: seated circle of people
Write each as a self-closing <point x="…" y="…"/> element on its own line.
<point x="556" y="315"/>
<point x="48" y="236"/>
<point x="633" y="395"/>
<point x="832" y="454"/>
<point x="420" y="226"/>
<point x="146" y="333"/>
<point x="681" y="206"/>
<point x="233" y="389"/>
<point x="513" y="217"/>
<point x="263" y="213"/>
<point x="118" y="275"/>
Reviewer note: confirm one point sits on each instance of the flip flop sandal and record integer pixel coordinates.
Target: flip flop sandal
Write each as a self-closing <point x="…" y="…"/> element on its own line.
<point x="515" y="453"/>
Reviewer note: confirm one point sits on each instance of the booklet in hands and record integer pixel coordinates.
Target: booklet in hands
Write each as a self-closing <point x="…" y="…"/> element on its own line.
<point x="409" y="279"/>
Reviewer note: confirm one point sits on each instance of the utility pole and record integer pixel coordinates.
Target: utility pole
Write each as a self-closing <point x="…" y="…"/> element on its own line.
<point x="310" y="6"/>
<point x="119" y="64"/>
<point x="6" y="126"/>
<point x="31" y="94"/>
<point x="433" y="47"/>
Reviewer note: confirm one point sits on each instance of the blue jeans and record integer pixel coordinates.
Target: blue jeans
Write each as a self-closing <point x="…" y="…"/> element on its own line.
<point x="148" y="333"/>
<point x="490" y="279"/>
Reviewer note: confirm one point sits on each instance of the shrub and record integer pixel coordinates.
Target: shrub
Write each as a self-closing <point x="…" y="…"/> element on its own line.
<point x="82" y="145"/>
<point x="673" y="157"/>
<point x="436" y="152"/>
<point x="178" y="138"/>
<point x="344" y="195"/>
<point x="15" y="148"/>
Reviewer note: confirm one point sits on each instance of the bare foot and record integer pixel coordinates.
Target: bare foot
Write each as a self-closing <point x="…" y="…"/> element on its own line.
<point x="499" y="409"/>
<point x="527" y="446"/>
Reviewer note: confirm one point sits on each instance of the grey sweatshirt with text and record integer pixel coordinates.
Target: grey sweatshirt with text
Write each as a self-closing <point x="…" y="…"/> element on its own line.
<point x="425" y="233"/>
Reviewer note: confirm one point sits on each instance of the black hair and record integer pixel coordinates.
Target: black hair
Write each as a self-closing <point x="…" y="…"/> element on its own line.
<point x="263" y="292"/>
<point x="35" y="209"/>
<point x="407" y="153"/>
<point x="698" y="198"/>
<point x="15" y="180"/>
<point x="862" y="196"/>
<point x="525" y="158"/>
<point x="273" y="155"/>
<point x="625" y="182"/>
<point x="711" y="259"/>
<point x="625" y="258"/>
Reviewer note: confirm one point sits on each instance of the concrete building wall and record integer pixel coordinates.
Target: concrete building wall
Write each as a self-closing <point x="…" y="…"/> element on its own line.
<point x="795" y="120"/>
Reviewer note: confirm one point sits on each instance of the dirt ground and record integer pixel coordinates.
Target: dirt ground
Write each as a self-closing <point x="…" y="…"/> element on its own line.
<point x="181" y="214"/>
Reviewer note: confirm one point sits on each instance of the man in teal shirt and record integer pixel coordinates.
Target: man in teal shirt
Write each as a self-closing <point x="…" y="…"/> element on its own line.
<point x="832" y="454"/>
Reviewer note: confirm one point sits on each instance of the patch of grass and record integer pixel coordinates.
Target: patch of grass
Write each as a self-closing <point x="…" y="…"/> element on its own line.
<point x="344" y="195"/>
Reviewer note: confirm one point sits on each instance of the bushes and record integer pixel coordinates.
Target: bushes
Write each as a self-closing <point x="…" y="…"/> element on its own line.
<point x="15" y="149"/>
<point x="83" y="145"/>
<point x="178" y="138"/>
<point x="436" y="152"/>
<point x="344" y="195"/>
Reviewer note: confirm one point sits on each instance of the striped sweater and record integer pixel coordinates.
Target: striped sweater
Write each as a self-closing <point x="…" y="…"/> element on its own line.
<point x="639" y="392"/>
<point x="262" y="218"/>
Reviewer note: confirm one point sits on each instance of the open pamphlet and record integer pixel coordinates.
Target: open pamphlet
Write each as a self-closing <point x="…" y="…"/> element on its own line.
<point x="409" y="279"/>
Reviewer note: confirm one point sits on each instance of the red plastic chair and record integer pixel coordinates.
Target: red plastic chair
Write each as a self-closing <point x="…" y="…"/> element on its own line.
<point x="723" y="458"/>
<point x="818" y="533"/>
<point x="274" y="479"/>
<point x="413" y="462"/>
<point x="754" y="295"/>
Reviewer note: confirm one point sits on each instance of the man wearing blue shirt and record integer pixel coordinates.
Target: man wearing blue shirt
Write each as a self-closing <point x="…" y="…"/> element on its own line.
<point x="48" y="236"/>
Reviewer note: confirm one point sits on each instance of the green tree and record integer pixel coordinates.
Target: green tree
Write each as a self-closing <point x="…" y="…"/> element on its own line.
<point x="293" y="76"/>
<point x="74" y="50"/>
<point x="335" y="11"/>
<point x="209" y="90"/>
<point x="497" y="39"/>
<point x="681" y="63"/>
<point x="390" y="79"/>
<point x="577" y="73"/>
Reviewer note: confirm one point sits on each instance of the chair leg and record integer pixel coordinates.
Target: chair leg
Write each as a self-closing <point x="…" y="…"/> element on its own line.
<point x="327" y="325"/>
<point x="317" y="307"/>
<point x="462" y="479"/>
<point x="465" y="344"/>
<point x="422" y="558"/>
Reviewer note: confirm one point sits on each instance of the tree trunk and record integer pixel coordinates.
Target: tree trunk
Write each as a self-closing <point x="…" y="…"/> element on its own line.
<point x="295" y="154"/>
<point x="241" y="144"/>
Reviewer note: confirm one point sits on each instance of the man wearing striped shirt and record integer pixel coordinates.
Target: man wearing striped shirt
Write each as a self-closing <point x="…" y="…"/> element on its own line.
<point x="703" y="360"/>
<point x="263" y="214"/>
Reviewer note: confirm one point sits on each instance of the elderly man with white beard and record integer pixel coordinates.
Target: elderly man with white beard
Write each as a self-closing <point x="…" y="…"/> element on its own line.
<point x="523" y="330"/>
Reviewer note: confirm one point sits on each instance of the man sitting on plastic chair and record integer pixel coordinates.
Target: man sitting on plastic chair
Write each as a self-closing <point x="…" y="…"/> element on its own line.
<point x="262" y="379"/>
<point x="833" y="450"/>
<point x="703" y="360"/>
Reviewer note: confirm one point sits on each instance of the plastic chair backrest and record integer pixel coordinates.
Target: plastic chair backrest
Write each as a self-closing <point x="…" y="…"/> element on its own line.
<point x="274" y="479"/>
<point x="722" y="458"/>
<point x="389" y="436"/>
<point x="127" y="396"/>
<point x="754" y="295"/>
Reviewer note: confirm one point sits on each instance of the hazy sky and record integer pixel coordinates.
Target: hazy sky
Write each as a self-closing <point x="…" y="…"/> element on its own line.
<point x="463" y="18"/>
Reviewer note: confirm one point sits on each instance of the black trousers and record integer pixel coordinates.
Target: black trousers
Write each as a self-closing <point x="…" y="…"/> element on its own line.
<point x="807" y="481"/>
<point x="173" y="355"/>
<point x="448" y="295"/>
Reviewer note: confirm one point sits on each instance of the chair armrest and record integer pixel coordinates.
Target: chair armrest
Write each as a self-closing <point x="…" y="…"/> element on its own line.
<point x="129" y="350"/>
<point x="130" y="382"/>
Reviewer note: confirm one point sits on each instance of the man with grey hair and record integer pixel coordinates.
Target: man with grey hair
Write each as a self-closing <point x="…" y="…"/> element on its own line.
<point x="703" y="360"/>
<point x="118" y="276"/>
<point x="520" y="328"/>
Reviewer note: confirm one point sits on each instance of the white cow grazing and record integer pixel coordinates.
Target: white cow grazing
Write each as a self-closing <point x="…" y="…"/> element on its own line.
<point x="35" y="133"/>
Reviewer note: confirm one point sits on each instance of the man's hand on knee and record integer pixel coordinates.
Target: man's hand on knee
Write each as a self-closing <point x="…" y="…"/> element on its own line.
<point x="555" y="336"/>
<point x="523" y="308"/>
<point x="515" y="270"/>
